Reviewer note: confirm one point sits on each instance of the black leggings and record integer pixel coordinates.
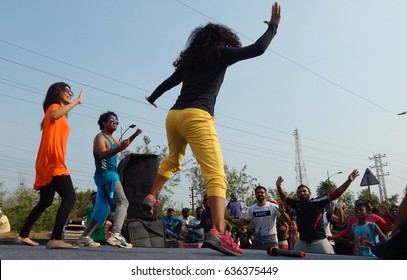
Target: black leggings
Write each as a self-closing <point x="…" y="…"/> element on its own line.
<point x="64" y="187"/>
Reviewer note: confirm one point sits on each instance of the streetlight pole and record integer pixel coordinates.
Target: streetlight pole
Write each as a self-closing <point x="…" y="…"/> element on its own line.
<point x="327" y="173"/>
<point x="121" y="136"/>
<point x="122" y="133"/>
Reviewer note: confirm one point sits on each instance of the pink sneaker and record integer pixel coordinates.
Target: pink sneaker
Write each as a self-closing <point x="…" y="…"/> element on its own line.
<point x="150" y="202"/>
<point x="222" y="243"/>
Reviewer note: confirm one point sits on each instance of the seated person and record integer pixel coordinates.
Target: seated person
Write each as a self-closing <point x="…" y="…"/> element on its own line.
<point x="196" y="234"/>
<point x="4" y="223"/>
<point x="244" y="238"/>
<point x="187" y="218"/>
<point x="86" y="211"/>
<point x="173" y="226"/>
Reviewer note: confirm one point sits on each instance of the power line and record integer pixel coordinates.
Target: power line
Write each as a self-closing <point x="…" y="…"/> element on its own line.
<point x="300" y="65"/>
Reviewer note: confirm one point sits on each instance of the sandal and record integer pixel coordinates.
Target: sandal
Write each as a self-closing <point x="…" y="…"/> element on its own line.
<point x="25" y="241"/>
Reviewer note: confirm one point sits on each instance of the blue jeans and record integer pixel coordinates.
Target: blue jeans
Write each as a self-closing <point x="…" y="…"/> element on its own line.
<point x="175" y="232"/>
<point x="264" y="242"/>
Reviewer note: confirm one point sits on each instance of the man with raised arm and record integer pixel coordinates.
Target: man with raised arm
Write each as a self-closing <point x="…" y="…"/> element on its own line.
<point x="309" y="215"/>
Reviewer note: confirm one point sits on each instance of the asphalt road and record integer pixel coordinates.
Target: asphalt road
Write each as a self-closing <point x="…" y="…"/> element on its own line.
<point x="25" y="262"/>
<point x="22" y="252"/>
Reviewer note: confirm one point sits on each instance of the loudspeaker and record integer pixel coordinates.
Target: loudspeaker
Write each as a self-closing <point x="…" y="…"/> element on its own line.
<point x="137" y="173"/>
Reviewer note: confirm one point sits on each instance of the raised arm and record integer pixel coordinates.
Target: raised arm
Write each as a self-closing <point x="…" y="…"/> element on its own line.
<point x="80" y="213"/>
<point x="275" y="15"/>
<point x="401" y="215"/>
<point x="63" y="110"/>
<point x="135" y="134"/>
<point x="340" y="190"/>
<point x="284" y="216"/>
<point x="280" y="191"/>
<point x="339" y="215"/>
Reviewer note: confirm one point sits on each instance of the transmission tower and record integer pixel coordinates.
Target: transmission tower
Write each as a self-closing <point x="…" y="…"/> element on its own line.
<point x="299" y="163"/>
<point x="380" y="175"/>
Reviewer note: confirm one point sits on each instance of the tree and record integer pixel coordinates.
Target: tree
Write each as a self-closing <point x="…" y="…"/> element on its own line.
<point x="348" y="199"/>
<point x="273" y="194"/>
<point x="324" y="188"/>
<point x="239" y="182"/>
<point x="3" y="194"/>
<point x="365" y="194"/>
<point x="392" y="200"/>
<point x="196" y="180"/>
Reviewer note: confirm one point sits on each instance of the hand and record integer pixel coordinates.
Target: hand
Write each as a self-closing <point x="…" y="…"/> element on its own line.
<point x="138" y="131"/>
<point x="283" y="228"/>
<point x="353" y="175"/>
<point x="383" y="208"/>
<point x="368" y="243"/>
<point x="275" y="15"/>
<point x="87" y="201"/>
<point x="79" y="100"/>
<point x="124" y="144"/>
<point x="152" y="103"/>
<point x="279" y="181"/>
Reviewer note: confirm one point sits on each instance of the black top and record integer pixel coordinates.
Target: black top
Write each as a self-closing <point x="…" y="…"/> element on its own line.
<point x="200" y="87"/>
<point x="309" y="217"/>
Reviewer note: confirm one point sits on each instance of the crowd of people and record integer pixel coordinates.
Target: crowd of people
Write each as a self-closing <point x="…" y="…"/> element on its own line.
<point x="299" y="224"/>
<point x="288" y="223"/>
<point x="303" y="224"/>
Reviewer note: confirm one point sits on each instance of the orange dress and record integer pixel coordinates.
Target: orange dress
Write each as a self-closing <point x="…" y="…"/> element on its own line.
<point x="51" y="153"/>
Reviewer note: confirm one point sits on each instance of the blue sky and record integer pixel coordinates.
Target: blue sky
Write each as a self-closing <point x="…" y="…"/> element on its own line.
<point x="335" y="71"/>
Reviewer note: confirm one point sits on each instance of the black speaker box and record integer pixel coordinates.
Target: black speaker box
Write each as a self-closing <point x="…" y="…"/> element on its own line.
<point x="137" y="173"/>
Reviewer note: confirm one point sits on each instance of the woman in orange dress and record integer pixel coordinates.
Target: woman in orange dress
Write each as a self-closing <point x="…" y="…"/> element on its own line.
<point x="52" y="175"/>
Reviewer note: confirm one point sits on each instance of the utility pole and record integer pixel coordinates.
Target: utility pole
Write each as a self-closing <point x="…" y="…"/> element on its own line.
<point x="192" y="196"/>
<point x="299" y="163"/>
<point x="380" y="175"/>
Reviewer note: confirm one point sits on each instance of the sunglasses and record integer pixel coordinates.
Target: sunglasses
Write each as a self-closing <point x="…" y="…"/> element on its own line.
<point x="114" y="121"/>
<point x="68" y="91"/>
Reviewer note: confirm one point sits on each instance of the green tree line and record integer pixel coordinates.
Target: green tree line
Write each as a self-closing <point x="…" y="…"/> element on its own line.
<point x="17" y="205"/>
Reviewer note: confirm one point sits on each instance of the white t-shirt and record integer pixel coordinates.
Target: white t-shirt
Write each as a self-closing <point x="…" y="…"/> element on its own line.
<point x="264" y="218"/>
<point x="327" y="227"/>
<point x="5" y="227"/>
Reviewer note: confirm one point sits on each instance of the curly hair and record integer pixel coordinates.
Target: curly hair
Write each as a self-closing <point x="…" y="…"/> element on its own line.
<point x="53" y="97"/>
<point x="105" y="118"/>
<point x="204" y="45"/>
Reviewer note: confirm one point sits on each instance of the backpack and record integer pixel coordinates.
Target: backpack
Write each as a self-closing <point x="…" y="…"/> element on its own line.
<point x="142" y="233"/>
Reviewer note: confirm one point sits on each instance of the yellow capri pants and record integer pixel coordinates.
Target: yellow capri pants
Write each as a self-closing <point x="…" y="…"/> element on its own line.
<point x="195" y="127"/>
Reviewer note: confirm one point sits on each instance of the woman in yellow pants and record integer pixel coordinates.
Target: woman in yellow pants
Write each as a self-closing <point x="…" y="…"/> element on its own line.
<point x="201" y="68"/>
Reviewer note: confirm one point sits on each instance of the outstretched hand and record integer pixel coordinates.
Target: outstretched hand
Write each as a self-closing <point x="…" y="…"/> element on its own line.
<point x="279" y="181"/>
<point x="275" y="15"/>
<point x="353" y="175"/>
<point x="152" y="103"/>
<point x="80" y="97"/>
